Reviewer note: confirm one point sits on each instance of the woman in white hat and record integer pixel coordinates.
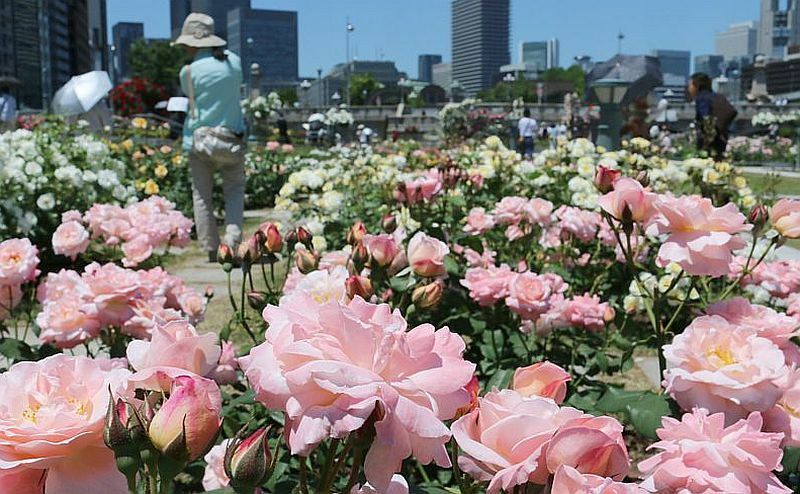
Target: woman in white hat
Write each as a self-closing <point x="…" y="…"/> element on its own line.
<point x="214" y="129"/>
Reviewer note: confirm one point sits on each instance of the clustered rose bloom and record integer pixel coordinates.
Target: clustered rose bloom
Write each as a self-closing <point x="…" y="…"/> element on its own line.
<point x="778" y="278"/>
<point x="576" y="222"/>
<point x="580" y="311"/>
<point x="700" y="455"/>
<point x="543" y="437"/>
<point x="521" y="214"/>
<point x="725" y="368"/>
<point x="785" y="217"/>
<point x="420" y="189"/>
<point x="139" y="228"/>
<point x="76" y="307"/>
<point x="530" y="295"/>
<point x="488" y="285"/>
<point x="51" y="425"/>
<point x="478" y="222"/>
<point x="570" y="481"/>
<point x="543" y="379"/>
<point x="19" y="260"/>
<point x="701" y="238"/>
<point x="360" y="363"/>
<point x="70" y="239"/>
<point x="426" y="255"/>
<point x="628" y="194"/>
<point x="176" y="344"/>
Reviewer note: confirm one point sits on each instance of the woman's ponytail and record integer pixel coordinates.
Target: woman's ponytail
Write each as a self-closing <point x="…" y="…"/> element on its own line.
<point x="219" y="54"/>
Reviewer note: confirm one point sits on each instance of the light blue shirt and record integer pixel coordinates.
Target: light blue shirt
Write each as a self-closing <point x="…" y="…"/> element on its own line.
<point x="216" y="94"/>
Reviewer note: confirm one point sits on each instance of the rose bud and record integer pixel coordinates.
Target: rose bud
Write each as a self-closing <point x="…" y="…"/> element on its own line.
<point x="541" y="379"/>
<point x="604" y="179"/>
<point x="358" y="285"/>
<point x="224" y="254"/>
<point x="209" y="292"/>
<point x="426" y="255"/>
<point x="257" y="300"/>
<point x="274" y="242"/>
<point x="247" y="461"/>
<point x="360" y="255"/>
<point x="291" y="239"/>
<point x="304" y="236"/>
<point x="356" y="233"/>
<point x="389" y="223"/>
<point x="306" y="261"/>
<point x="758" y="216"/>
<point x="387" y="295"/>
<point x="245" y="254"/>
<point x="382" y="248"/>
<point x="427" y="296"/>
<point x="643" y="178"/>
<point x="118" y="438"/>
<point x="188" y="421"/>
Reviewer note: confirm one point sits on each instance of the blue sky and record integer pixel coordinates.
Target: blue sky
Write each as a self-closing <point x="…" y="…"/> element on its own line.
<point x="402" y="29"/>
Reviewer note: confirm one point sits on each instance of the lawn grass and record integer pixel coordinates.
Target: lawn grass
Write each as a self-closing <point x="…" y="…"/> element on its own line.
<point x="766" y="185"/>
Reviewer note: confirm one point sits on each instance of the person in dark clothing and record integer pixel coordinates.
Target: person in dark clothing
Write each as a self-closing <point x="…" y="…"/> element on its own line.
<point x="283" y="130"/>
<point x="713" y="115"/>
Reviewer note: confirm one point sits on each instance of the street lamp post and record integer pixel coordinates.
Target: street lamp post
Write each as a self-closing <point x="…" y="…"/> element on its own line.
<point x="319" y="88"/>
<point x="305" y="86"/>
<point x="610" y="93"/>
<point x="349" y="29"/>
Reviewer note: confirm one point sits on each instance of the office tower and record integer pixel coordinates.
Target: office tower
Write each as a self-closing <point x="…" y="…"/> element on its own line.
<point x="266" y="37"/>
<point x="425" y="67"/>
<point x="778" y="27"/>
<point x="738" y="41"/>
<point x="442" y="75"/>
<point x="709" y="64"/>
<point x="480" y="42"/>
<point x="125" y="34"/>
<point x="217" y="9"/>
<point x="539" y="55"/>
<point x="97" y="25"/>
<point x="178" y="10"/>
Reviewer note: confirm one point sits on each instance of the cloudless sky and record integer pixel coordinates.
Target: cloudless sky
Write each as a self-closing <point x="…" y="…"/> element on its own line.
<point x="400" y="30"/>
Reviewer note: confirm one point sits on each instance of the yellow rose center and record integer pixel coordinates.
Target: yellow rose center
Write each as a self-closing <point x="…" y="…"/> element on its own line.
<point x="724" y="355"/>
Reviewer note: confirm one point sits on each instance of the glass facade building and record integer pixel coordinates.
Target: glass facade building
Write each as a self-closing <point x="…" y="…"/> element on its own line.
<point x="480" y="42"/>
<point x="268" y="38"/>
<point x="125" y="34"/>
<point x="425" y="66"/>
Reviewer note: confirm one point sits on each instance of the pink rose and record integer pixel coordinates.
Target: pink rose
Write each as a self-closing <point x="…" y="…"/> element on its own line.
<point x="137" y="250"/>
<point x="426" y="255"/>
<point x="480" y="259"/>
<point x="724" y="368"/>
<point x="176" y="344"/>
<point x="570" y="481"/>
<point x="776" y="327"/>
<point x="591" y="445"/>
<point x="51" y="424"/>
<point x="505" y="439"/>
<point x="225" y="372"/>
<point x="488" y="285"/>
<point x="215" y="476"/>
<point x="605" y="177"/>
<point x="510" y="210"/>
<point x="397" y="485"/>
<point x="785" y="217"/>
<point x="628" y="193"/>
<point x="18" y="261"/>
<point x="700" y="455"/>
<point x="478" y="222"/>
<point x="287" y="148"/>
<point x="382" y="248"/>
<point x="581" y="311"/>
<point x="578" y="223"/>
<point x="357" y="359"/>
<point x="785" y="415"/>
<point x="68" y="322"/>
<point x="531" y="295"/>
<point x="701" y="237"/>
<point x="70" y="239"/>
<point x="273" y="145"/>
<point x="538" y="211"/>
<point x="543" y="379"/>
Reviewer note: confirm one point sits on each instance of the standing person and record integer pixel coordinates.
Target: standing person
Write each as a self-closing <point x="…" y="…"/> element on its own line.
<point x="8" y="109"/>
<point x="283" y="129"/>
<point x="713" y="115"/>
<point x="527" y="131"/>
<point x="214" y="130"/>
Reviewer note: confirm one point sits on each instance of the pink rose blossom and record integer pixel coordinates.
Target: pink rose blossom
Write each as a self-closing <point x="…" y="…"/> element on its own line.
<point x="543" y="379"/>
<point x="273" y="145"/>
<point x="776" y="327"/>
<point x="426" y="255"/>
<point x="701" y="237"/>
<point x="382" y="248"/>
<point x="480" y="259"/>
<point x="69" y="322"/>
<point x="570" y="481"/>
<point x="489" y="285"/>
<point x="700" y="455"/>
<point x="287" y="148"/>
<point x="591" y="445"/>
<point x="225" y="372"/>
<point x="628" y="193"/>
<point x="51" y="421"/>
<point x="538" y="211"/>
<point x="136" y="250"/>
<point x="176" y="344"/>
<point x="478" y="222"/>
<point x="785" y="217"/>
<point x="18" y="261"/>
<point x="215" y="476"/>
<point x="582" y="311"/>
<point x="724" y="368"/>
<point x="779" y="278"/>
<point x="358" y="360"/>
<point x="510" y="210"/>
<point x="531" y="295"/>
<point x="70" y="239"/>
<point x="579" y="223"/>
<point x="397" y="485"/>
<point x="785" y="415"/>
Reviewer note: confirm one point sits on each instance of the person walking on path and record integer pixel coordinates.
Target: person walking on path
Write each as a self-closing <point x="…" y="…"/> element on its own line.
<point x="713" y="115"/>
<point x="8" y="109"/>
<point x="527" y="131"/>
<point x="213" y="133"/>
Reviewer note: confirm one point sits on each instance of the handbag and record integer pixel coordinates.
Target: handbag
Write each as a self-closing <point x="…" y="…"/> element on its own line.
<point x="219" y="143"/>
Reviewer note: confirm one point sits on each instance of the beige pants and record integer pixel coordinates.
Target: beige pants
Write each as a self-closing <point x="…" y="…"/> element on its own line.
<point x="203" y="167"/>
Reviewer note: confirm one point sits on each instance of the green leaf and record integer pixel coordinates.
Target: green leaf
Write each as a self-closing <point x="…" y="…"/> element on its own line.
<point x="646" y="414"/>
<point x="451" y="265"/>
<point x="791" y="458"/>
<point x="500" y="379"/>
<point x="16" y="350"/>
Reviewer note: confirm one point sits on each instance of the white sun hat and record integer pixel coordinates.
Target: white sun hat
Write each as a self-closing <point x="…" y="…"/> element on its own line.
<point x="198" y="32"/>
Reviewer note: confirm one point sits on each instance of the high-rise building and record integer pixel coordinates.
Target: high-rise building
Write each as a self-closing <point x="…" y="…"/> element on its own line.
<point x="425" y="67"/>
<point x="539" y="55"/>
<point x="178" y="10"/>
<point x="22" y="50"/>
<point x="442" y="75"/>
<point x="125" y="34"/>
<point x="266" y="37"/>
<point x="480" y="42"/>
<point x="778" y="27"/>
<point x="217" y="9"/>
<point x="739" y="40"/>
<point x="97" y="25"/>
<point x="709" y="64"/>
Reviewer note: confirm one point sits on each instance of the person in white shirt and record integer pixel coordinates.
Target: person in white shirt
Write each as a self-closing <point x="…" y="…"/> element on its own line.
<point x="527" y="130"/>
<point x="8" y="109"/>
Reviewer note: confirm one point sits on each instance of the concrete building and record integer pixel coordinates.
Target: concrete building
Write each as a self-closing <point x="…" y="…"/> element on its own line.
<point x="739" y="40"/>
<point x="709" y="64"/>
<point x="539" y="55"/>
<point x="217" y="9"/>
<point x="425" y="65"/>
<point x="124" y="34"/>
<point x="98" y="35"/>
<point x="480" y="42"/>
<point x="778" y="28"/>
<point x="321" y="91"/>
<point x="782" y="78"/>
<point x="442" y="75"/>
<point x="21" y="50"/>
<point x="675" y="69"/>
<point x="268" y="38"/>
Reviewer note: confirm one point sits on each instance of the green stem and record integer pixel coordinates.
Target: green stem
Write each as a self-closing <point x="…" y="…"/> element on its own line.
<point x="243" y="308"/>
<point x="358" y="461"/>
<point x="303" y="476"/>
<point x="323" y="485"/>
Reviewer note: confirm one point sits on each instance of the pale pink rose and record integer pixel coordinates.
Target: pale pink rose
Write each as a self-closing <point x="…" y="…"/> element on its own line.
<point x="515" y="232"/>
<point x="578" y="223"/>
<point x="581" y="311"/>
<point x="147" y="314"/>
<point x="570" y="481"/>
<point x="478" y="222"/>
<point x="321" y="285"/>
<point x="701" y="237"/>
<point x="628" y="193"/>
<point x="335" y="258"/>
<point x="70" y="239"/>
<point x="531" y="295"/>
<point x="489" y="285"/>
<point x="426" y="255"/>
<point x="215" y="476"/>
<point x="22" y="481"/>
<point x="287" y="148"/>
<point x="397" y="485"/>
<point x="543" y="379"/>
<point x="785" y="217"/>
<point x="273" y="145"/>
<point x="776" y="327"/>
<point x="538" y="211"/>
<point x="357" y="359"/>
<point x="137" y="250"/>
<point x="71" y="215"/>
<point x="700" y="455"/>
<point x="382" y="248"/>
<point x="112" y="289"/>
<point x="785" y="415"/>
<point x="779" y="278"/>
<point x="225" y="372"/>
<point x="483" y="259"/>
<point x="68" y="322"/>
<point x="591" y="445"/>
<point x="420" y="189"/>
<point x="51" y="419"/>
<point x="10" y="297"/>
<point x="193" y="305"/>
<point x="510" y="210"/>
<point x="505" y="439"/>
<point x="176" y="344"/>
<point x="61" y="284"/>
<point x="724" y="368"/>
<point x="18" y="261"/>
